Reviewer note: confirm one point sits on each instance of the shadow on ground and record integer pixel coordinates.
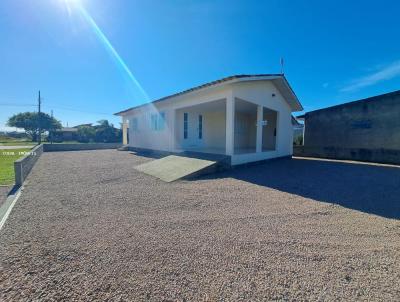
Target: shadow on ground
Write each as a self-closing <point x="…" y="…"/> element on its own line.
<point x="367" y="188"/>
<point x="148" y="154"/>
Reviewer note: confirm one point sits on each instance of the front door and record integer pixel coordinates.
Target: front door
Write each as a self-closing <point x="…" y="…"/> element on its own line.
<point x="192" y="130"/>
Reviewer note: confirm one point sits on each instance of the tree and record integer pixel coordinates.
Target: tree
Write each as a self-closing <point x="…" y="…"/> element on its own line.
<point x="107" y="133"/>
<point x="86" y="134"/>
<point x="29" y="121"/>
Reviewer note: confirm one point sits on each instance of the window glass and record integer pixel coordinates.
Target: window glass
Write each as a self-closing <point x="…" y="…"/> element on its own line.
<point x="200" y="126"/>
<point x="153" y="121"/>
<point x="161" y="121"/>
<point x="134" y="124"/>
<point x="185" y="125"/>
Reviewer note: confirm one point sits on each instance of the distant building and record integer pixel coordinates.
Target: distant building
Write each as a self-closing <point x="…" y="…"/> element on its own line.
<point x="68" y="133"/>
<point x="367" y="129"/>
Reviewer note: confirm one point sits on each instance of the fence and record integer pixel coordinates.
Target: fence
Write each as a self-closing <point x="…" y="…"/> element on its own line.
<point x="24" y="165"/>
<point x="78" y="147"/>
<point x="386" y="156"/>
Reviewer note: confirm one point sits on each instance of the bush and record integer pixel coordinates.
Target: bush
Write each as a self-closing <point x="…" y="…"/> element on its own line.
<point x="86" y="134"/>
<point x="106" y="133"/>
<point x="298" y="141"/>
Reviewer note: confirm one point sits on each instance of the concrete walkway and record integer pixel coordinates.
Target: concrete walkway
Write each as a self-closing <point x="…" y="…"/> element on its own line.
<point x="171" y="168"/>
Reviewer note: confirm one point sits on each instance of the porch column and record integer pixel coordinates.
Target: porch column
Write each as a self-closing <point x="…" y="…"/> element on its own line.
<point x="171" y="129"/>
<point x="259" y="128"/>
<point x="230" y="125"/>
<point x="124" y="131"/>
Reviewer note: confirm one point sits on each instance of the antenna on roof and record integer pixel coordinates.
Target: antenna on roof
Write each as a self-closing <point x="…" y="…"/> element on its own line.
<point x="282" y="63"/>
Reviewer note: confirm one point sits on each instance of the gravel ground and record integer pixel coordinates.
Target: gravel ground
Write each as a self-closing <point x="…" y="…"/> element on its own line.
<point x="90" y="227"/>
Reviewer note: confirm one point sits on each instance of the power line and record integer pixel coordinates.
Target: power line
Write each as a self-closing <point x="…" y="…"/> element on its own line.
<point x="39" y="119"/>
<point x="77" y="110"/>
<point x="17" y="105"/>
<point x="55" y="107"/>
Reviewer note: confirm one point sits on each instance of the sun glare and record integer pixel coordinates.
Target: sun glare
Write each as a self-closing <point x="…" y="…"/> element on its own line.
<point x="78" y="7"/>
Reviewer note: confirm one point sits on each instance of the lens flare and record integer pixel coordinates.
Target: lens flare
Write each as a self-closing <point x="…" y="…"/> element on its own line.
<point x="144" y="98"/>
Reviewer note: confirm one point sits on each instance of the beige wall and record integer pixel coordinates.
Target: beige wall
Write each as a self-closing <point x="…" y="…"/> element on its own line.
<point x="245" y="130"/>
<point x="213" y="129"/>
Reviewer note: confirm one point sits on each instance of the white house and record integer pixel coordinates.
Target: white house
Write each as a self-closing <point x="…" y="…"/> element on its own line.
<point x="248" y="117"/>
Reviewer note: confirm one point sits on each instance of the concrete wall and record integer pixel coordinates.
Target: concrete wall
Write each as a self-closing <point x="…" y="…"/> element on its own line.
<point x="367" y="130"/>
<point x="24" y="165"/>
<point x="373" y="123"/>
<point x="78" y="147"/>
<point x="386" y="156"/>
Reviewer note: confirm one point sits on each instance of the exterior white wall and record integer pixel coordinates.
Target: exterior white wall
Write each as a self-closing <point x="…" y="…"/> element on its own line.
<point x="260" y="93"/>
<point x="214" y="123"/>
<point x="146" y="138"/>
<point x="169" y="139"/>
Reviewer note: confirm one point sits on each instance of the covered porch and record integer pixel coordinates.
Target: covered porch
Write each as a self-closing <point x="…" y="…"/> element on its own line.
<point x="230" y="126"/>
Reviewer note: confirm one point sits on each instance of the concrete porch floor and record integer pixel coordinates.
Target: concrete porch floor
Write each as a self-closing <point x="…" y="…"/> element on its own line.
<point x="218" y="150"/>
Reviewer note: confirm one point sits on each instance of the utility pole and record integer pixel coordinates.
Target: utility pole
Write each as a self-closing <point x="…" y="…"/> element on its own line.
<point x="51" y="131"/>
<point x="39" y="119"/>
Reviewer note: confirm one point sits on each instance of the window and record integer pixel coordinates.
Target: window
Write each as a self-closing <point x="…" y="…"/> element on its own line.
<point x="185" y="125"/>
<point x="161" y="121"/>
<point x="153" y="121"/>
<point x="200" y="126"/>
<point x="134" y="124"/>
<point x="157" y="121"/>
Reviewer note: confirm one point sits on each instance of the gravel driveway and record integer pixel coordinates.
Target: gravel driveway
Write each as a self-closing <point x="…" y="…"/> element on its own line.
<point x="90" y="227"/>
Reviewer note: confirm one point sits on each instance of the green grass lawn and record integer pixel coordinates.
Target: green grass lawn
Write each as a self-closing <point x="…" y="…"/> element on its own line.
<point x="7" y="158"/>
<point x="17" y="143"/>
<point x="10" y="141"/>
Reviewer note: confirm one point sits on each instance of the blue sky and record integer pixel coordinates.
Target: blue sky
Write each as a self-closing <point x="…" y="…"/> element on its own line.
<point x="334" y="51"/>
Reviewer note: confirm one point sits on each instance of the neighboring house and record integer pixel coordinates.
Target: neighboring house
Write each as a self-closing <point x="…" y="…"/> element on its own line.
<point x="68" y="133"/>
<point x="367" y="129"/>
<point x="247" y="117"/>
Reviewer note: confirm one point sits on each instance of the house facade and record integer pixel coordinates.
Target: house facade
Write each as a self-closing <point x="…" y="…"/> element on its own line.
<point x="247" y="117"/>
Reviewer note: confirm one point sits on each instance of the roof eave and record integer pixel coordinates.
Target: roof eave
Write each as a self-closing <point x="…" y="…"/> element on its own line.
<point x="297" y="107"/>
